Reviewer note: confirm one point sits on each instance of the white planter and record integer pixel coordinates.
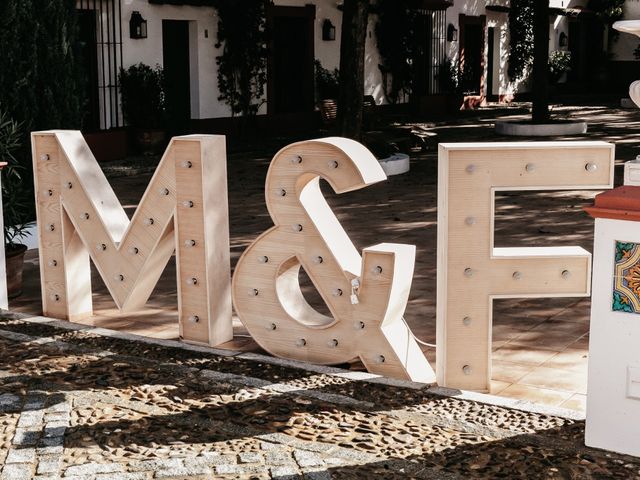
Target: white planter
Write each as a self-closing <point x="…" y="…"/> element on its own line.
<point x="395" y="164"/>
<point x="527" y="129"/>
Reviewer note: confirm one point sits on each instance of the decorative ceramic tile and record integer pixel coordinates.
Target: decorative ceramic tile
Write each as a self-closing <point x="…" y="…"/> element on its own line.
<point x="626" y="280"/>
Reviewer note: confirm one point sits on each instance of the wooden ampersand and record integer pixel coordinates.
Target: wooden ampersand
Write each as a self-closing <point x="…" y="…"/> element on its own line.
<point x="365" y="295"/>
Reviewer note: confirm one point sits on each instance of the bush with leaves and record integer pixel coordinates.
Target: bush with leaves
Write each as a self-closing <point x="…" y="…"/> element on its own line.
<point x="449" y="76"/>
<point x="608" y="11"/>
<point x="41" y="85"/>
<point x="142" y="91"/>
<point x="327" y="81"/>
<point x="15" y="197"/>
<point x="242" y="67"/>
<point x="559" y="64"/>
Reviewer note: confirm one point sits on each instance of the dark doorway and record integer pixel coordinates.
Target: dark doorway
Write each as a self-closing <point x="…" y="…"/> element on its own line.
<point x="471" y="54"/>
<point x="290" y="87"/>
<point x="471" y="71"/>
<point x="175" y="57"/>
<point x="88" y="49"/>
<point x="586" y="47"/>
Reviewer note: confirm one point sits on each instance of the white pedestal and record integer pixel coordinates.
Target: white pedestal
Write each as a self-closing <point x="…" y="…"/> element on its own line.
<point x="613" y="397"/>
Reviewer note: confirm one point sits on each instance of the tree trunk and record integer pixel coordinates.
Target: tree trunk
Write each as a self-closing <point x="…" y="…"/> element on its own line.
<point x="540" y="113"/>
<point x="350" y="98"/>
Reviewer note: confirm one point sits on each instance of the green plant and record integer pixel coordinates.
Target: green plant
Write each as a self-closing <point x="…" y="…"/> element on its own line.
<point x="449" y="76"/>
<point x="15" y="197"/>
<point x="41" y="85"/>
<point x="142" y="90"/>
<point x="395" y="36"/>
<point x="608" y="11"/>
<point x="242" y="65"/>
<point x="521" y="38"/>
<point x="327" y="81"/>
<point x="559" y="64"/>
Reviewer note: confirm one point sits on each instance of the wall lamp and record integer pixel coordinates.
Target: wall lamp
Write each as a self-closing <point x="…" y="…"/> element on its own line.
<point x="452" y="33"/>
<point x="137" y="26"/>
<point x="328" y="30"/>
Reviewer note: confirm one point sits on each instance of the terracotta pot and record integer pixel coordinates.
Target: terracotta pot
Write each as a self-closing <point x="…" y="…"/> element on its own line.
<point x="15" y="263"/>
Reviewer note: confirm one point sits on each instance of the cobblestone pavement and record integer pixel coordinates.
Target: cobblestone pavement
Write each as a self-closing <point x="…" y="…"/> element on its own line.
<point x="77" y="405"/>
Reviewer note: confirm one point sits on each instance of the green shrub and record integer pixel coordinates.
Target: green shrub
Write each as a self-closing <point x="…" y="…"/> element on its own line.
<point x="17" y="202"/>
<point x="41" y="86"/>
<point x="142" y="90"/>
<point x="327" y="81"/>
<point x="559" y="64"/>
<point x="449" y="76"/>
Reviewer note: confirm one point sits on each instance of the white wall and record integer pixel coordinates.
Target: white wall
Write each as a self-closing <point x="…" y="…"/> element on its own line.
<point x="202" y="38"/>
<point x="328" y="52"/>
<point x="203" y="34"/>
<point x="502" y="84"/>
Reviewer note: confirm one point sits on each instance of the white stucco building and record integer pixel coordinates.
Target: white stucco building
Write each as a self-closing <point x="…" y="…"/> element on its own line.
<point x="181" y="36"/>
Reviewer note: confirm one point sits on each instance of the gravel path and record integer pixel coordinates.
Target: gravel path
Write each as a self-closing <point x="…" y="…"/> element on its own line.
<point x="78" y="405"/>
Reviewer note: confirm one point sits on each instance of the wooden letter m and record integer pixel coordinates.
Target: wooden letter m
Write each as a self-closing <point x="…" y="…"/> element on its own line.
<point x="184" y="209"/>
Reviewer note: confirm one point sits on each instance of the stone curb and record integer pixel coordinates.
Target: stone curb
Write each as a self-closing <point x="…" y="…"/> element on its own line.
<point x="483" y="398"/>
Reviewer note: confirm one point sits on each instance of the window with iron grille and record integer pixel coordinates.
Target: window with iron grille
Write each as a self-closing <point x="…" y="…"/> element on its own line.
<point x="431" y="38"/>
<point x="100" y="46"/>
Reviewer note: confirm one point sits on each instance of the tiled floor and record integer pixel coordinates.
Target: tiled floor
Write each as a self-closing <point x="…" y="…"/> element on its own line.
<point x="540" y="347"/>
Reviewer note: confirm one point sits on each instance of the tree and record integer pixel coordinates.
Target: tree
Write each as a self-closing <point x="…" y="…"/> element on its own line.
<point x="242" y="65"/>
<point x="529" y="45"/>
<point x="355" y="17"/>
<point x="540" y="76"/>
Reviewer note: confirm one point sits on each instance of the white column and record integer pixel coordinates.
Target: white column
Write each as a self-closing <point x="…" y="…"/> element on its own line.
<point x="613" y="397"/>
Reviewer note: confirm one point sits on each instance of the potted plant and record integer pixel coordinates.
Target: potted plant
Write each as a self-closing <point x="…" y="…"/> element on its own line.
<point x="327" y="82"/>
<point x="327" y="88"/>
<point x="16" y="204"/>
<point x="559" y="64"/>
<point x="143" y="105"/>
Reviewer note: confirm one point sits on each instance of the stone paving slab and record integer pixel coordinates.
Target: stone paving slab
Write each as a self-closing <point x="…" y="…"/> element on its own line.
<point x="72" y="409"/>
